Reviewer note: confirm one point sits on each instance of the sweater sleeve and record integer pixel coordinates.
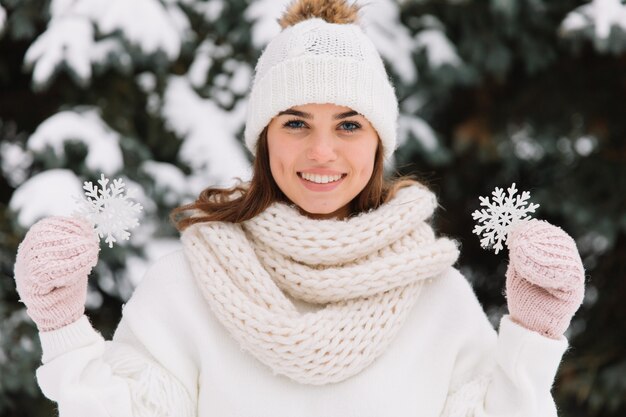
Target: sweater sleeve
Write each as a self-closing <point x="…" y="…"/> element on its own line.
<point x="88" y="375"/>
<point x="509" y="375"/>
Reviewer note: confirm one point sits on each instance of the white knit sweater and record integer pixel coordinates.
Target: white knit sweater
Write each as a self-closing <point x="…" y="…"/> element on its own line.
<point x="170" y="356"/>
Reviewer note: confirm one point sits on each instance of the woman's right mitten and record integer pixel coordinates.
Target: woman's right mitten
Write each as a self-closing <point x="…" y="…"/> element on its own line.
<point x="51" y="269"/>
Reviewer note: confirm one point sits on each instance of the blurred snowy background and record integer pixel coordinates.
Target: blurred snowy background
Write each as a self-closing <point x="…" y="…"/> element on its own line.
<point x="154" y="91"/>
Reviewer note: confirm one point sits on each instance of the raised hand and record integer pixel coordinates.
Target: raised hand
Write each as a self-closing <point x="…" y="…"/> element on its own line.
<point x="545" y="278"/>
<point x="51" y="269"/>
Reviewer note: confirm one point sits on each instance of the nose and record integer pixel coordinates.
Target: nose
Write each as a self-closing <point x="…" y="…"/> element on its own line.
<point x="321" y="148"/>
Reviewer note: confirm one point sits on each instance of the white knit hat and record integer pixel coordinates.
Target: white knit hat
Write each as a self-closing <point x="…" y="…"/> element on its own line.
<point x="315" y="61"/>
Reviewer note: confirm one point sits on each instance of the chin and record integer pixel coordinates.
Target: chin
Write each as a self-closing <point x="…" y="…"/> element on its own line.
<point x="327" y="212"/>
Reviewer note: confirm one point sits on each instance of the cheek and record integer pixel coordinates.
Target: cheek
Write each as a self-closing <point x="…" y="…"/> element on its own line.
<point x="366" y="171"/>
<point x="281" y="156"/>
<point x="273" y="149"/>
<point x="365" y="158"/>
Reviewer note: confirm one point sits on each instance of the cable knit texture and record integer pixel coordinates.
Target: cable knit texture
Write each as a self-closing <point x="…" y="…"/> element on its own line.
<point x="153" y="391"/>
<point x="467" y="399"/>
<point x="315" y="61"/>
<point x="51" y="269"/>
<point x="545" y="277"/>
<point x="360" y="277"/>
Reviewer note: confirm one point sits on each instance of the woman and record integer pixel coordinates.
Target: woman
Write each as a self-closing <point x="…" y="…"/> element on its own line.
<point x="319" y="288"/>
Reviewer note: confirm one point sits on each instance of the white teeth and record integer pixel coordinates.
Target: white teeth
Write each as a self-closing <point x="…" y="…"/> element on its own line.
<point x="320" y="179"/>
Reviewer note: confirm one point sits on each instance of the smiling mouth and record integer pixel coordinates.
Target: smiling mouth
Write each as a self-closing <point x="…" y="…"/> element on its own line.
<point x="321" y="179"/>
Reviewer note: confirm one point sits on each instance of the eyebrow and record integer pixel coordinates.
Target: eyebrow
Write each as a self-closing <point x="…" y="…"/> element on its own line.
<point x="306" y="115"/>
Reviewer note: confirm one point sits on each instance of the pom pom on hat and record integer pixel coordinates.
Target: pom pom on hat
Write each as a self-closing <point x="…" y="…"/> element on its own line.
<point x="322" y="56"/>
<point x="332" y="11"/>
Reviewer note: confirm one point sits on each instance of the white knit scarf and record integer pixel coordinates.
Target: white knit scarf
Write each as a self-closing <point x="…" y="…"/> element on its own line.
<point x="363" y="275"/>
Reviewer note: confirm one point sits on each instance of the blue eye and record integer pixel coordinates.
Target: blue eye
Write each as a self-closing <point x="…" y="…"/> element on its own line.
<point x="290" y="124"/>
<point x="299" y="124"/>
<point x="355" y="126"/>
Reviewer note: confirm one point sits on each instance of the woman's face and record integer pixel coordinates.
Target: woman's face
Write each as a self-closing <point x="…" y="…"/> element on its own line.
<point x="321" y="157"/>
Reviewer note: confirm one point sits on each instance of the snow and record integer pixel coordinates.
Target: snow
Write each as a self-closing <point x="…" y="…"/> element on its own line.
<point x="381" y="22"/>
<point x="204" y="57"/>
<point x="601" y="15"/>
<point x="144" y="23"/>
<point x="3" y="18"/>
<point x="140" y="196"/>
<point x="203" y="60"/>
<point x="49" y="193"/>
<point x="168" y="179"/>
<point x="15" y="163"/>
<point x="181" y="23"/>
<point x="210" y="146"/>
<point x="147" y="81"/>
<point x="211" y="10"/>
<point x="12" y="320"/>
<point x="153" y="103"/>
<point x="241" y="78"/>
<point x="67" y="41"/>
<point x="525" y="146"/>
<point x="221" y="80"/>
<point x="413" y="103"/>
<point x="574" y="22"/>
<point x="439" y="49"/>
<point x="103" y="151"/>
<point x="165" y="175"/>
<point x="108" y="51"/>
<point x="419" y="129"/>
<point x="263" y="15"/>
<point x="584" y="145"/>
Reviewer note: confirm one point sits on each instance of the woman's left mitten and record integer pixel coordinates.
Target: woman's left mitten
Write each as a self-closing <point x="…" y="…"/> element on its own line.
<point x="545" y="278"/>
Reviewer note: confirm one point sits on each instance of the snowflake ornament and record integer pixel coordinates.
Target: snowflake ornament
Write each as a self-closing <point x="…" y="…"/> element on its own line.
<point x="501" y="215"/>
<point x="109" y="209"/>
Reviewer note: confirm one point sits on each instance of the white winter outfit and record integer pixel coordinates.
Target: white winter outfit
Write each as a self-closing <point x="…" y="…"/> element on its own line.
<point x="286" y="316"/>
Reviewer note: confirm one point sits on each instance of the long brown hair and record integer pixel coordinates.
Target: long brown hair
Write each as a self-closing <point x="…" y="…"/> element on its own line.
<point x="246" y="200"/>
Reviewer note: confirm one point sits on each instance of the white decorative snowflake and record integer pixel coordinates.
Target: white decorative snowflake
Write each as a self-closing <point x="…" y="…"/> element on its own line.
<point x="501" y="215"/>
<point x="109" y="209"/>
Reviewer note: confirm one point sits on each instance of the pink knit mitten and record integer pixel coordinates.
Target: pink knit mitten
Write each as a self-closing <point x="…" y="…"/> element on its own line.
<point x="51" y="269"/>
<point x="545" y="278"/>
